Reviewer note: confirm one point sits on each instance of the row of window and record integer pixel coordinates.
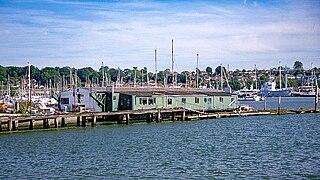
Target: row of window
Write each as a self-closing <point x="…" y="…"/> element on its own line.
<point x="152" y="101"/>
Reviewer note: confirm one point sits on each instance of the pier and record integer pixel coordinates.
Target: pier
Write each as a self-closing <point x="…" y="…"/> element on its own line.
<point x="14" y="123"/>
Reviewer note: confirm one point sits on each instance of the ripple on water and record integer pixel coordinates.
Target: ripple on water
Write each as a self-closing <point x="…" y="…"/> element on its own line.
<point x="285" y="146"/>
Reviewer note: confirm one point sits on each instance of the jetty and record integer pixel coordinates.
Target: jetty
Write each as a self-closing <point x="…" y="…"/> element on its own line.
<point x="12" y="123"/>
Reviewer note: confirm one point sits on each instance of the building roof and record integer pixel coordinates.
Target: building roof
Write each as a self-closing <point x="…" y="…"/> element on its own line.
<point x="170" y="91"/>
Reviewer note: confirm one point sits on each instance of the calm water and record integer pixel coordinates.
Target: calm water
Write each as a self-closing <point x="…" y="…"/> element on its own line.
<point x="286" y="103"/>
<point x="281" y="146"/>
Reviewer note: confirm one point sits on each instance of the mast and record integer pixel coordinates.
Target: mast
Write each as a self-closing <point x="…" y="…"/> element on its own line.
<point x="172" y="64"/>
<point x="255" y="72"/>
<point x="280" y="74"/>
<point x="118" y="78"/>
<point x="9" y="90"/>
<point x="285" y="78"/>
<point x="197" y="72"/>
<point x="221" y="77"/>
<point x="29" y="85"/>
<point x="102" y="72"/>
<point x="155" y="67"/>
<point x="147" y="78"/>
<point x="71" y="79"/>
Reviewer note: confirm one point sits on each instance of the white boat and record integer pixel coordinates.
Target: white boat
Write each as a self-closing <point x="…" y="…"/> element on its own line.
<point x="248" y="94"/>
<point x="269" y="90"/>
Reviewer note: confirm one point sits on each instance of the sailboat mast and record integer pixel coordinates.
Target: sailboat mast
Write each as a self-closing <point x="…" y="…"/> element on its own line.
<point x="197" y="72"/>
<point x="280" y="74"/>
<point x="172" y="63"/>
<point x="221" y="77"/>
<point x="29" y="88"/>
<point x="256" y="75"/>
<point x="102" y="72"/>
<point x="155" y="67"/>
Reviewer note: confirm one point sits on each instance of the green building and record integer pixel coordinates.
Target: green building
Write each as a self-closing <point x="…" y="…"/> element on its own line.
<point x="117" y="99"/>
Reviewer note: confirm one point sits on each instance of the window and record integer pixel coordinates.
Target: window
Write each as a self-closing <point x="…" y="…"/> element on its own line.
<point x="144" y="101"/>
<point x="183" y="101"/>
<point x="64" y="100"/>
<point x="169" y="101"/>
<point x="196" y="100"/>
<point x="151" y="101"/>
<point x="205" y="100"/>
<point x="221" y="99"/>
<point x="209" y="101"/>
<point x="114" y="98"/>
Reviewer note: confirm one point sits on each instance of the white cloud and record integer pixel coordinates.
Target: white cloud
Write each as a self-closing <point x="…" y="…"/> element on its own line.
<point x="126" y="34"/>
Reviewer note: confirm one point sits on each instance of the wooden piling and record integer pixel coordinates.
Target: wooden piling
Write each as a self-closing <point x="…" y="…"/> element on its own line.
<point x="279" y="105"/>
<point x="94" y="121"/>
<point x="84" y="121"/>
<point x="63" y="122"/>
<point x="45" y="123"/>
<point x="10" y="124"/>
<point x="128" y="119"/>
<point x="79" y="118"/>
<point x="56" y="122"/>
<point x="316" y="100"/>
<point x="173" y="117"/>
<point x="31" y="125"/>
<point x="183" y="116"/>
<point x="149" y="116"/>
<point x="15" y="125"/>
<point x="158" y="118"/>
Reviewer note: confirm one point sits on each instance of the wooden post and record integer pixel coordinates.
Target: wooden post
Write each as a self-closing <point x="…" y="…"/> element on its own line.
<point x="265" y="103"/>
<point x="173" y="117"/>
<point x="10" y="124"/>
<point x="15" y="125"/>
<point x="94" y="121"/>
<point x="279" y="105"/>
<point x="84" y="120"/>
<point x="183" y="115"/>
<point x="128" y="119"/>
<point x="158" y="118"/>
<point x="149" y="118"/>
<point x="31" y="126"/>
<point x="316" y="100"/>
<point x="79" y="118"/>
<point x="45" y="123"/>
<point x="56" y="123"/>
<point x="63" y="122"/>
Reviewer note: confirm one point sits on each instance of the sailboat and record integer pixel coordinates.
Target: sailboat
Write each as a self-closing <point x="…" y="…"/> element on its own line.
<point x="249" y="94"/>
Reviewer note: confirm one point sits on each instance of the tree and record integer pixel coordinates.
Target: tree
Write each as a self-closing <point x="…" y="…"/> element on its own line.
<point x="298" y="68"/>
<point x="298" y="65"/>
<point x="3" y="74"/>
<point x="218" y="70"/>
<point x="209" y="70"/>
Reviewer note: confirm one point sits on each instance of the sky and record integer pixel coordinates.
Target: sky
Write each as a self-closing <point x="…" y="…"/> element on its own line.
<point x="238" y="33"/>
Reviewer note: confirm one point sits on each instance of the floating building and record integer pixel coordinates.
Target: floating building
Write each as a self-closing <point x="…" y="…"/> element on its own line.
<point x="144" y="98"/>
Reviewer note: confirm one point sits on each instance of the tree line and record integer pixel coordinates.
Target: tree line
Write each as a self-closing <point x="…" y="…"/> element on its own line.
<point x="55" y="75"/>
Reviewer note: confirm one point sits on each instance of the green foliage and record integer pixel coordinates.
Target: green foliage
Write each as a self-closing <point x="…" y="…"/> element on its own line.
<point x="3" y="74"/>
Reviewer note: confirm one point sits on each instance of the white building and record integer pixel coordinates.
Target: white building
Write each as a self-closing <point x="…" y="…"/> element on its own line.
<point x="79" y="97"/>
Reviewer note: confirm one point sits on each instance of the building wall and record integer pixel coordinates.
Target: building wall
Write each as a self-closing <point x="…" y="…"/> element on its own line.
<point x="85" y="100"/>
<point x="203" y="103"/>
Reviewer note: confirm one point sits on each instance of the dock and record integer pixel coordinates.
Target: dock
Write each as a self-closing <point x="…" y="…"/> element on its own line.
<point x="12" y="123"/>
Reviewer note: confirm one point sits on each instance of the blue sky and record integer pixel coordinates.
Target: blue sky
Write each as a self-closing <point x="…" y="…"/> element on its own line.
<point x="124" y="34"/>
